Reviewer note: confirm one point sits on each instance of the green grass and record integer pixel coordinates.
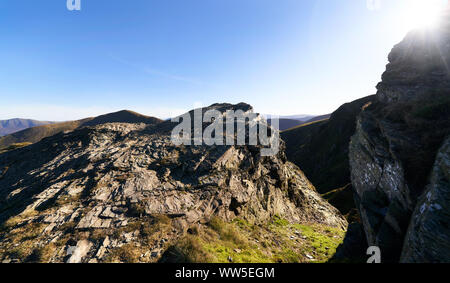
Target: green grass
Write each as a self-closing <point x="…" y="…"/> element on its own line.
<point x="321" y="241"/>
<point x="244" y="242"/>
<point x="277" y="220"/>
<point x="217" y="241"/>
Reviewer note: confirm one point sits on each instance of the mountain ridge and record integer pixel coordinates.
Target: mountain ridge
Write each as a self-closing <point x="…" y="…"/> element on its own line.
<point x="35" y="134"/>
<point x="121" y="192"/>
<point x="291" y="123"/>
<point x="11" y="126"/>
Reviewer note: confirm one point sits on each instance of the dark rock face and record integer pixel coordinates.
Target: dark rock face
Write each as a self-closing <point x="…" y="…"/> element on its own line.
<point x="394" y="149"/>
<point x="381" y="192"/>
<point x="107" y="176"/>
<point x="428" y="237"/>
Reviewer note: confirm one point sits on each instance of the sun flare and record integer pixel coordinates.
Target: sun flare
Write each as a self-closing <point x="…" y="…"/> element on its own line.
<point x="423" y="13"/>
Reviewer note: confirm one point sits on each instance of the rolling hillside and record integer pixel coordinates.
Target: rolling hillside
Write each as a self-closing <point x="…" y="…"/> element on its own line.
<point x="33" y="135"/>
<point x="15" y="125"/>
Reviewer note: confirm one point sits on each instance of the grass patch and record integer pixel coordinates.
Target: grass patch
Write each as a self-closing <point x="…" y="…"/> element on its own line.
<point x="42" y="254"/>
<point x="151" y="230"/>
<point x="278" y="221"/>
<point x="244" y="242"/>
<point x="227" y="233"/>
<point x="321" y="241"/>
<point x="190" y="249"/>
<point x="20" y="243"/>
<point x="128" y="253"/>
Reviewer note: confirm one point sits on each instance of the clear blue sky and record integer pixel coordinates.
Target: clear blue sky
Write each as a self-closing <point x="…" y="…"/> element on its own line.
<point x="159" y="57"/>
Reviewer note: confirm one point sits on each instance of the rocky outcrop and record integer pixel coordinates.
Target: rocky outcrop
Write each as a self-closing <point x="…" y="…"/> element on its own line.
<point x="428" y="237"/>
<point x="394" y="149"/>
<point x="80" y="191"/>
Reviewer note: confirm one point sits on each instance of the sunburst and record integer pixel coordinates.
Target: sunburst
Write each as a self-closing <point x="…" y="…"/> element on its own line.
<point x="421" y="14"/>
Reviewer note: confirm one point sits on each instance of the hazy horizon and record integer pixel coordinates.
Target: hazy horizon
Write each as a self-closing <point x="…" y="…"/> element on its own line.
<point x="161" y="59"/>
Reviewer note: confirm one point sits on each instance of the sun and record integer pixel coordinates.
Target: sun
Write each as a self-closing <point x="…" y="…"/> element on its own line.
<point x="421" y="14"/>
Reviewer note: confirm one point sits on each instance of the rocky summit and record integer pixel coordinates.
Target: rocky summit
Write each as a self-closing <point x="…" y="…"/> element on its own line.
<point x="122" y="192"/>
<point x="399" y="153"/>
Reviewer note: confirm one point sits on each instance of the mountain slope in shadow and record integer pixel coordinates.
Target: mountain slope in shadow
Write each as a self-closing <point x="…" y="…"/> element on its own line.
<point x="320" y="148"/>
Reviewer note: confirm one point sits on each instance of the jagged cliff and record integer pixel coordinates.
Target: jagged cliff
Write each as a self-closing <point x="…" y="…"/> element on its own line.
<point x="88" y="192"/>
<point x="428" y="237"/>
<point x="401" y="186"/>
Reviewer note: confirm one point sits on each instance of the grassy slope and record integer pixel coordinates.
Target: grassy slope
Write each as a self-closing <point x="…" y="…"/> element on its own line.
<point x="33" y="135"/>
<point x="15" y="125"/>
<point x="214" y="242"/>
<point x="242" y="242"/>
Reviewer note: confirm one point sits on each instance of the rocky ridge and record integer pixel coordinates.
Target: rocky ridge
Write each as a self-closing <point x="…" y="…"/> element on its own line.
<point x="79" y="196"/>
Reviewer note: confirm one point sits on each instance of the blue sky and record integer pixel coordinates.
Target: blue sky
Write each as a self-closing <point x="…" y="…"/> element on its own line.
<point x="160" y="57"/>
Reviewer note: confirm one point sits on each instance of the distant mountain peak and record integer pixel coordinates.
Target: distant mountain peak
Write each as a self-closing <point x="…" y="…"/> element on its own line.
<point x="35" y="132"/>
<point x="123" y="116"/>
